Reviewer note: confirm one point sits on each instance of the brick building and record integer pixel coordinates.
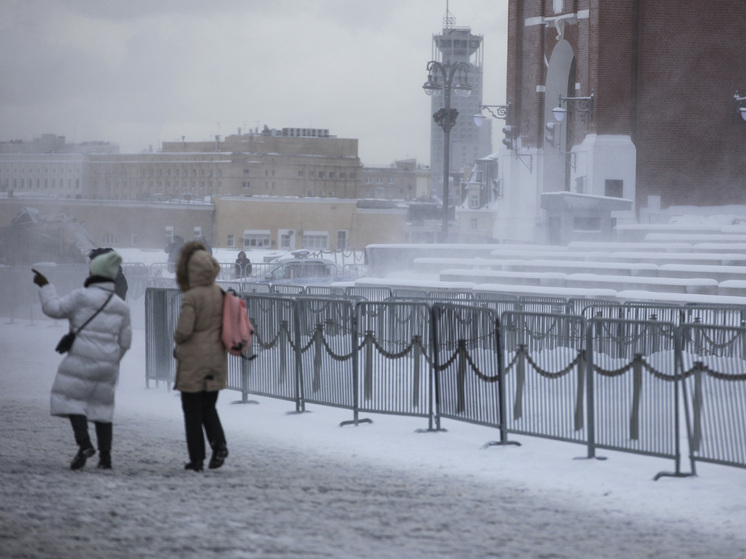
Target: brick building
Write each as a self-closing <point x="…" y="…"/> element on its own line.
<point x="651" y="109"/>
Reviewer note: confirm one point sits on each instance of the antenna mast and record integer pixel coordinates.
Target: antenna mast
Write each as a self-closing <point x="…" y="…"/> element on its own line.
<point x="448" y="20"/>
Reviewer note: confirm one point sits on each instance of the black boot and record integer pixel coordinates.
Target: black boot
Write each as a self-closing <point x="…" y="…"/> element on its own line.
<point x="80" y="458"/>
<point x="104" y="460"/>
<point x="219" y="454"/>
<point x="194" y="466"/>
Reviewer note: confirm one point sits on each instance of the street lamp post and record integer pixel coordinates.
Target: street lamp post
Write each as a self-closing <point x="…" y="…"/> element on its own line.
<point x="442" y="78"/>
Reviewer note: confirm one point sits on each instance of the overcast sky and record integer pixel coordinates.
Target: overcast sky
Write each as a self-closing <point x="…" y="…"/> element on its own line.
<point x="140" y="72"/>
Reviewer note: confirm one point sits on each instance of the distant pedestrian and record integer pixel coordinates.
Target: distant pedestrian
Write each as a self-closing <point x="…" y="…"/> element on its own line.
<point x="173" y="249"/>
<point x="202" y="363"/>
<point x="208" y="247"/>
<point x="243" y="265"/>
<point x="120" y="281"/>
<point x="83" y="389"/>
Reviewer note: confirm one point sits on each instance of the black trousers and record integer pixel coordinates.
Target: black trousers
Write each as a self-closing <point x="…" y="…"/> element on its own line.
<point x="200" y="413"/>
<point x="104" y="433"/>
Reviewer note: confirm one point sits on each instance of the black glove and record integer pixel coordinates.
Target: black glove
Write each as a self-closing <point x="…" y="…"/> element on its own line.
<point x="39" y="278"/>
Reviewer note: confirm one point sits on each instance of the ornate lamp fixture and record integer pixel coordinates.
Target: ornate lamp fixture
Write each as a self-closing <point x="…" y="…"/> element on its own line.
<point x="496" y="111"/>
<point x="583" y="105"/>
<point x="444" y="78"/>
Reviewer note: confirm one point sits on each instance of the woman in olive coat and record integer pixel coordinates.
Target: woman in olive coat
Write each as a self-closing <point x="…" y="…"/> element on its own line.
<point x="202" y="364"/>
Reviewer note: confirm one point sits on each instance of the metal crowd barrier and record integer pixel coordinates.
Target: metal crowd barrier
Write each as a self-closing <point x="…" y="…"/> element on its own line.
<point x="467" y="363"/>
<point x="544" y="375"/>
<point x="161" y="313"/>
<point x="272" y="372"/>
<point x="604" y="381"/>
<point x="713" y="364"/>
<point x="634" y="389"/>
<point x="395" y="358"/>
<point x="326" y="352"/>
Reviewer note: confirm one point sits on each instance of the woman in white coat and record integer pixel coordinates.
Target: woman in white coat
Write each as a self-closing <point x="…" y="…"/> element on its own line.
<point x="83" y="389"/>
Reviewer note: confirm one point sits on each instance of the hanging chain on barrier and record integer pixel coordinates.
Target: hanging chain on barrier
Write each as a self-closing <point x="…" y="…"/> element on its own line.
<point x="318" y="336"/>
<point x="637" y="360"/>
<point x="699" y="366"/>
<point x="549" y="374"/>
<point x="273" y="343"/>
<point x="534" y="334"/>
<point x="715" y="344"/>
<point x="388" y="354"/>
<point x="461" y="350"/>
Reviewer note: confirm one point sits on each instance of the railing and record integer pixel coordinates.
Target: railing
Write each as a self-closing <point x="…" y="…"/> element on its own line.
<point x="545" y="354"/>
<point x="605" y="382"/>
<point x="713" y="362"/>
<point x="634" y="387"/>
<point x="519" y="364"/>
<point x="395" y="350"/>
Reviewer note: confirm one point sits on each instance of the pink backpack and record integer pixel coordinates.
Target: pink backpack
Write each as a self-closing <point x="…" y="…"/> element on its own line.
<point x="237" y="330"/>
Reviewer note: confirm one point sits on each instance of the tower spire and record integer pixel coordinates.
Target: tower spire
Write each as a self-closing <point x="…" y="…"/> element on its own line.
<point x="448" y="20"/>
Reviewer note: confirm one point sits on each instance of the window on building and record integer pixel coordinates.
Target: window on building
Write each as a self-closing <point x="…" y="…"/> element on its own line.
<point x="286" y="237"/>
<point x="231" y="241"/>
<point x="197" y="232"/>
<point x="614" y="188"/>
<point x="256" y="239"/>
<point x="342" y="239"/>
<point x="474" y="200"/>
<point x="315" y="240"/>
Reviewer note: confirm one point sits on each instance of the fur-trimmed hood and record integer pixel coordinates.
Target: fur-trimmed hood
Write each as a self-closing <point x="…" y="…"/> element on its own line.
<point x="195" y="266"/>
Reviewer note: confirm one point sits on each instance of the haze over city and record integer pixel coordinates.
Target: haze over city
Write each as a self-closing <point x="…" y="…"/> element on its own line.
<point x="139" y="73"/>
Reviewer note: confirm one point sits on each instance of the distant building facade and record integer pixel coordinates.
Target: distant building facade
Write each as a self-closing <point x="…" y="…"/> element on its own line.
<point x="266" y="222"/>
<point x="287" y="162"/>
<point x="48" y="166"/>
<point x="281" y="189"/>
<point x="405" y="179"/>
<point x="313" y="224"/>
<point x="650" y="114"/>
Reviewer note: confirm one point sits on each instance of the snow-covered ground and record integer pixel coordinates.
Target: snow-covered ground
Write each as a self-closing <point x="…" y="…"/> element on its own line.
<point x="299" y="485"/>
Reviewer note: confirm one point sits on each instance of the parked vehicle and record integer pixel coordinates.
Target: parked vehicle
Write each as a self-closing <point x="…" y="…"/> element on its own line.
<point x="302" y="268"/>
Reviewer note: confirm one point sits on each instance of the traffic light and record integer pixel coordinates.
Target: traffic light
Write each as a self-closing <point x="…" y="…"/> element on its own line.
<point x="509" y="139"/>
<point x="446" y="119"/>
<point x="550" y="135"/>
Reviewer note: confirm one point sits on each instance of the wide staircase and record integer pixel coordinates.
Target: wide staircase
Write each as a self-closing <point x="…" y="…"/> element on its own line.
<point x="666" y="263"/>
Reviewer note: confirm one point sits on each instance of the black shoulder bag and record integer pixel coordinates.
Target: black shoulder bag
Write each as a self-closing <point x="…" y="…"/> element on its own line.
<point x="66" y="342"/>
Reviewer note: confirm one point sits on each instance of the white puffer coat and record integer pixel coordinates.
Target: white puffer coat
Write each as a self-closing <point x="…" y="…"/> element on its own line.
<point x="88" y="374"/>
